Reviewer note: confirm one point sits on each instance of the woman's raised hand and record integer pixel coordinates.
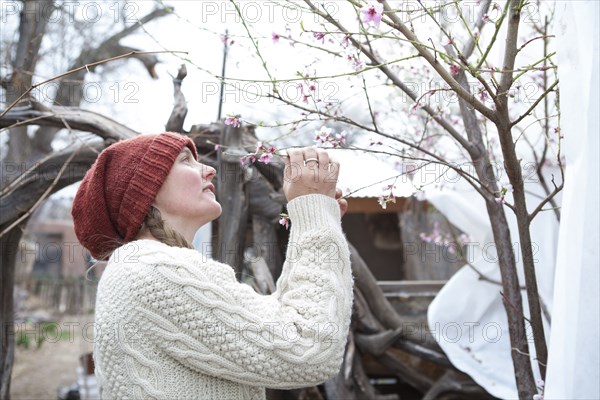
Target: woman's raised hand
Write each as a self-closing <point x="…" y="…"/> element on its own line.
<point x="310" y="170"/>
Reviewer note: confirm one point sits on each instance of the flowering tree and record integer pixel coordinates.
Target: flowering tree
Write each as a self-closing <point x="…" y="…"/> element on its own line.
<point x="421" y="88"/>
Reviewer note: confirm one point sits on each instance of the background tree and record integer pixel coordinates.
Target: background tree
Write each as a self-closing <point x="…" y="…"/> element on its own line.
<point x="31" y="170"/>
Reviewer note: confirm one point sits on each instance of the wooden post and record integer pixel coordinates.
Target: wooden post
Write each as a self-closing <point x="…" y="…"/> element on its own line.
<point x="231" y="194"/>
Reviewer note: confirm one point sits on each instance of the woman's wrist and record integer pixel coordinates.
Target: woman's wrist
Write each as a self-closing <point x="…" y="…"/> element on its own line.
<point x="313" y="211"/>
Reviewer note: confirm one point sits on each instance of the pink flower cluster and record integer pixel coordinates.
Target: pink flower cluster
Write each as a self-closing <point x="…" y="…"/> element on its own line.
<point x="307" y="89"/>
<point x="263" y="154"/>
<point x="446" y="240"/>
<point x="233" y="120"/>
<point x="326" y="138"/>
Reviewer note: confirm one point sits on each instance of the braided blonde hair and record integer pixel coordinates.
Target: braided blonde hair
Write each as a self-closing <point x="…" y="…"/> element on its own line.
<point x="161" y="231"/>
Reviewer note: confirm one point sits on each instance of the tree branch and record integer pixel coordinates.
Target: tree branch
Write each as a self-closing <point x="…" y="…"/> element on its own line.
<point x="87" y="66"/>
<point x="530" y="109"/>
<point x="443" y="73"/>
<point x="76" y="118"/>
<point x="395" y="80"/>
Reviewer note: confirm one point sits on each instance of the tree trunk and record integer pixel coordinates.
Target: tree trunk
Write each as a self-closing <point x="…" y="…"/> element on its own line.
<point x="513" y="170"/>
<point x="32" y="27"/>
<point x="8" y="250"/>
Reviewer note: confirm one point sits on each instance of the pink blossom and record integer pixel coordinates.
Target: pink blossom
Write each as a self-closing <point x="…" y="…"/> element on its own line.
<point x="319" y="36"/>
<point x="372" y="12"/>
<point x="500" y="200"/>
<point x="485" y="18"/>
<point x="266" y="158"/>
<point x="538" y="397"/>
<point x="275" y="37"/>
<point x="312" y="87"/>
<point x="451" y="248"/>
<point x="454" y="69"/>
<point x="217" y="147"/>
<point x="357" y="64"/>
<point x="233" y="120"/>
<point x="325" y="137"/>
<point x="322" y="137"/>
<point x="346" y="41"/>
<point x="284" y="221"/>
<point x="250" y="157"/>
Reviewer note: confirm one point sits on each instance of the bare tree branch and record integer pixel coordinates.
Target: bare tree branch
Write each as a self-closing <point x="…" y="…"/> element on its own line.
<point x="443" y="73"/>
<point x="180" y="109"/>
<point x="87" y="66"/>
<point x="83" y="120"/>
<point x="395" y="80"/>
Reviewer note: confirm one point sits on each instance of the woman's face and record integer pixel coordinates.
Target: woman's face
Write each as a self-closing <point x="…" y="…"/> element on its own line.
<point x="187" y="199"/>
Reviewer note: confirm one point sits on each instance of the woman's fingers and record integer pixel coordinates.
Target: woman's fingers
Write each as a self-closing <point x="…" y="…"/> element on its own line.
<point x="343" y="203"/>
<point x="310" y="170"/>
<point x="338" y="193"/>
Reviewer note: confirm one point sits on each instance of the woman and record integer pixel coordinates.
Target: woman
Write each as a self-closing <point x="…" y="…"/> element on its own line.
<point x="172" y="324"/>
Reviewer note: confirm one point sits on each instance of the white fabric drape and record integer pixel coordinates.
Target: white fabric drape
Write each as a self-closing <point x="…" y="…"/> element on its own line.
<point x="574" y="362"/>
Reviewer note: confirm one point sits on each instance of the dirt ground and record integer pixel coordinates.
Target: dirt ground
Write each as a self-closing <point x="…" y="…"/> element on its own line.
<point x="39" y="372"/>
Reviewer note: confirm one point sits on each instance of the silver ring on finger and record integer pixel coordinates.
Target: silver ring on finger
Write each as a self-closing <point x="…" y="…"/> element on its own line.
<point x="311" y="159"/>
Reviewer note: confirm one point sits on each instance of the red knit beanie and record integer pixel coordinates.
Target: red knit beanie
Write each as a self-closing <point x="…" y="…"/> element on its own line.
<point x="118" y="190"/>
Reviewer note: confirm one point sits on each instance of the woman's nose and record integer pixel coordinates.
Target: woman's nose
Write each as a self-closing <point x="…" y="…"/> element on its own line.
<point x="208" y="172"/>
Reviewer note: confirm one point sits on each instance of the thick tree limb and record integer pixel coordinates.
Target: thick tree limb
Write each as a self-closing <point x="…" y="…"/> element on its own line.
<point x="377" y="302"/>
<point x="31" y="32"/>
<point x="180" y="109"/>
<point x="30" y="186"/>
<point x="66" y="117"/>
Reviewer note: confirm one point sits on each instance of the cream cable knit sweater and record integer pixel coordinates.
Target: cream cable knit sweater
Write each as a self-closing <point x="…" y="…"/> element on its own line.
<point x="171" y="324"/>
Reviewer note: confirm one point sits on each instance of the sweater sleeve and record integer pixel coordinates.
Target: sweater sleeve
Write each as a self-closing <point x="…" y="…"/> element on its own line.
<point x="199" y="314"/>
